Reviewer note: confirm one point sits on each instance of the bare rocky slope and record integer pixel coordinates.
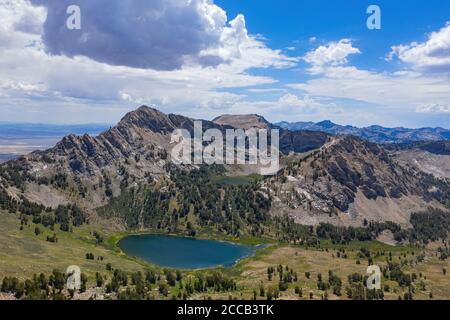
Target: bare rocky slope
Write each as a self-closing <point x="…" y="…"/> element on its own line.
<point x="342" y="180"/>
<point x="349" y="180"/>
<point x="244" y="121"/>
<point x="437" y="165"/>
<point x="431" y="157"/>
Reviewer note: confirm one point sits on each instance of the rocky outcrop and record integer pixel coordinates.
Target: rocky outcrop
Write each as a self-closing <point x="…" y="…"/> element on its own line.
<point x="244" y="121"/>
<point x="340" y="181"/>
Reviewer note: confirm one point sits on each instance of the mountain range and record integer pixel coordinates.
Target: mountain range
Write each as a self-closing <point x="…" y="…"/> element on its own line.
<point x="344" y="180"/>
<point x="374" y="133"/>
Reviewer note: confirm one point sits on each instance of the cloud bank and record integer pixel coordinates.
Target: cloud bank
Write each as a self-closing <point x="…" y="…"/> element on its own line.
<point x="431" y="55"/>
<point x="333" y="54"/>
<point x="156" y="34"/>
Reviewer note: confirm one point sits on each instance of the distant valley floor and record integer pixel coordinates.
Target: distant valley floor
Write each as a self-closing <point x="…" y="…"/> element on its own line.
<point x="20" y="139"/>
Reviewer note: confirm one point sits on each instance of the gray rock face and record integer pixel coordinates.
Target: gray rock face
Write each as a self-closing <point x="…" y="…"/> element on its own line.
<point x="327" y="182"/>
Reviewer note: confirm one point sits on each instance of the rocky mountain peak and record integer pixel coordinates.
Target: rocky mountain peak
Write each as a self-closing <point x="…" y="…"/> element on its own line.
<point x="243" y="121"/>
<point x="147" y="118"/>
<point x="326" y="124"/>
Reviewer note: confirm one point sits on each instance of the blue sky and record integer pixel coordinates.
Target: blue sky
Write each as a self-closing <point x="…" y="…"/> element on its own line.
<point x="292" y="23"/>
<point x="286" y="60"/>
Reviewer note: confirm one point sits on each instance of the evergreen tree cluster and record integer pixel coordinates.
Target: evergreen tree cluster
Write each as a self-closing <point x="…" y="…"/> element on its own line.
<point x="40" y="287"/>
<point x="357" y="289"/>
<point x="231" y="209"/>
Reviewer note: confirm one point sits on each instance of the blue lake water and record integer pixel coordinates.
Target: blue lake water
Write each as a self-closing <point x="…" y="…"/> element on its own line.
<point x="184" y="253"/>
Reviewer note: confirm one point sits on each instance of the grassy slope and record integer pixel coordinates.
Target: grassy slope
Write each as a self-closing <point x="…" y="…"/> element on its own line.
<point x="252" y="272"/>
<point x="22" y="254"/>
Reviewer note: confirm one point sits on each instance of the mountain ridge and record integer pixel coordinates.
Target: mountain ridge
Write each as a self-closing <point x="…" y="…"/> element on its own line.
<point x="349" y="180"/>
<point x="374" y="133"/>
<point x="134" y="151"/>
<point x="323" y="178"/>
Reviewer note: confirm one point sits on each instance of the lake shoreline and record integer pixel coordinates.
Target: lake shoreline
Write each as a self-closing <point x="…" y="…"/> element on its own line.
<point x="242" y="250"/>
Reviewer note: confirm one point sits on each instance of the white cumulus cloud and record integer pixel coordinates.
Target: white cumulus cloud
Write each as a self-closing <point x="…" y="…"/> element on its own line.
<point x="433" y="108"/>
<point x="408" y="89"/>
<point x="156" y="34"/>
<point x="332" y="54"/>
<point x="432" y="55"/>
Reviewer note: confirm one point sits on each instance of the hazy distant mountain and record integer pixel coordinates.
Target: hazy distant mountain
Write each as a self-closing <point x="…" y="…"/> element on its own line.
<point x="374" y="133"/>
